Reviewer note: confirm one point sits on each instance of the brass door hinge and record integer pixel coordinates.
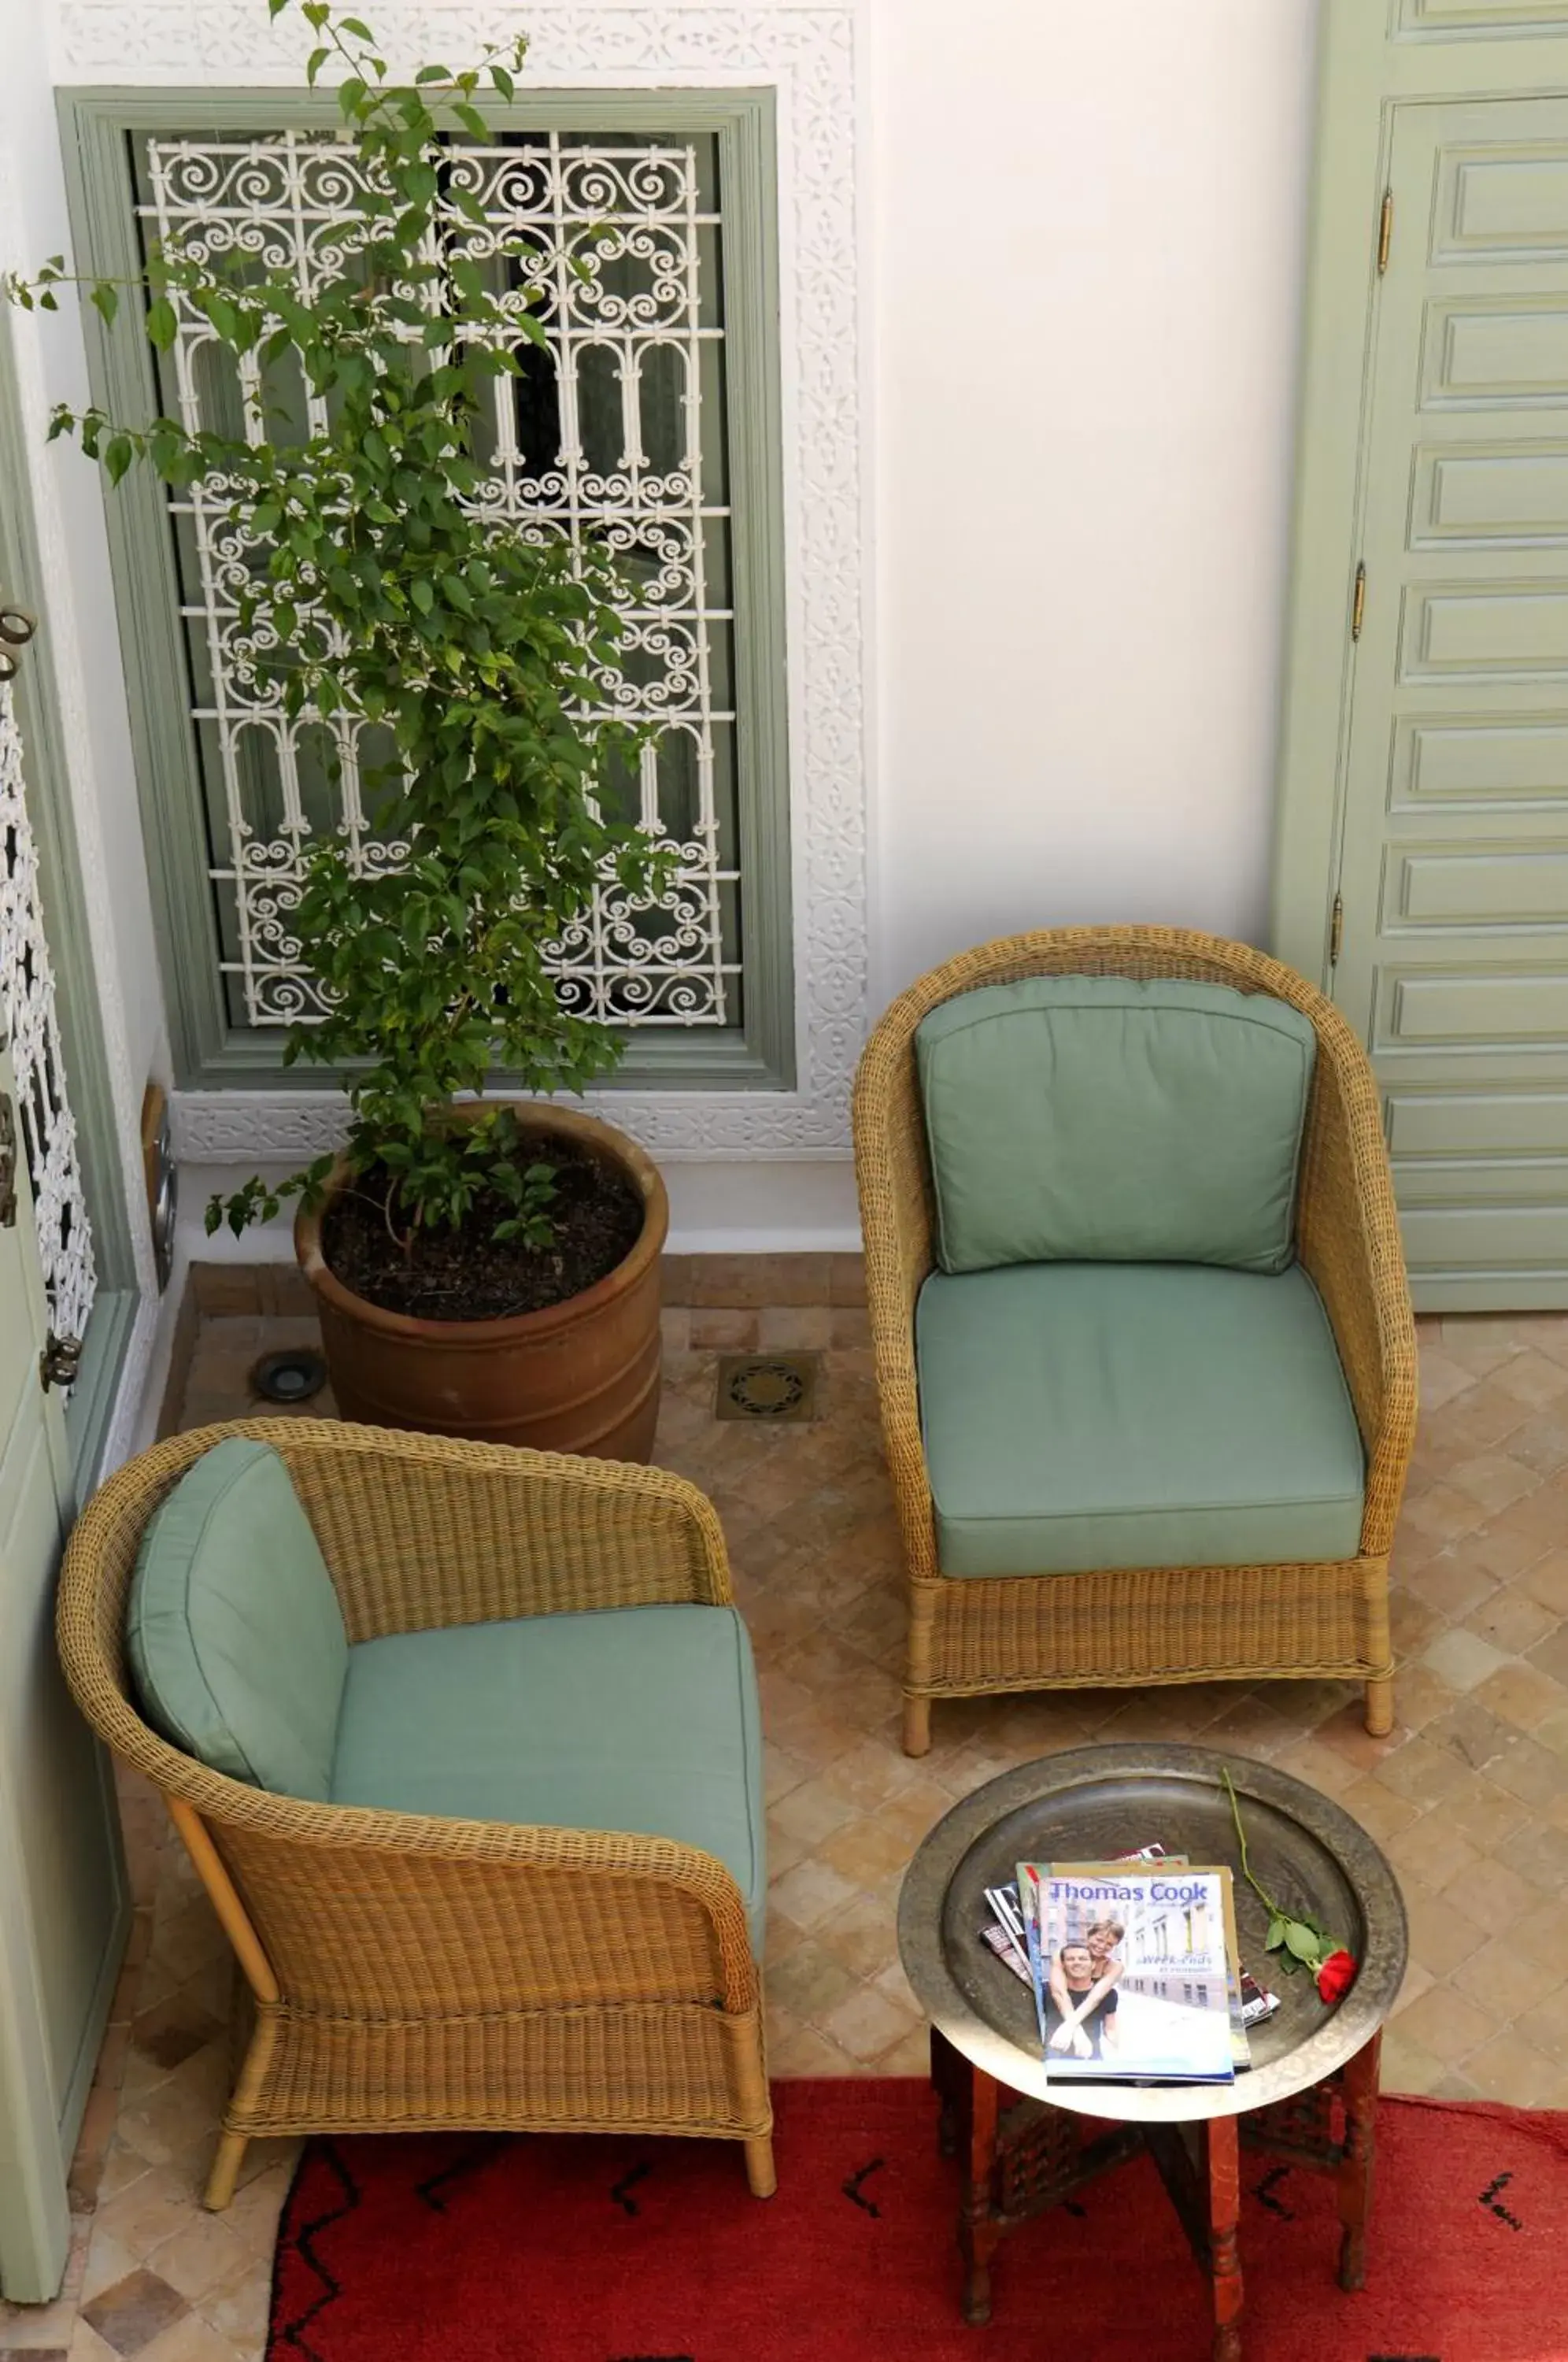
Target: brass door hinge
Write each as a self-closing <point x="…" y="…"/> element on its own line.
<point x="1386" y="232"/>
<point x="1336" y="930"/>
<point x="1358" y="605"/>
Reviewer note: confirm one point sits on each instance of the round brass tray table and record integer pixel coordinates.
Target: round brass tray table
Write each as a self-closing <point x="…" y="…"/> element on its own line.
<point x="1310" y="2096"/>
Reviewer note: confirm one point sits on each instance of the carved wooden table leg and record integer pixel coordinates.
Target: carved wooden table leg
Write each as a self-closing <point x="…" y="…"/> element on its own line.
<point x="947" y="2074"/>
<point x="978" y="2234"/>
<point x="1224" y="2256"/>
<point x="1353" y="2174"/>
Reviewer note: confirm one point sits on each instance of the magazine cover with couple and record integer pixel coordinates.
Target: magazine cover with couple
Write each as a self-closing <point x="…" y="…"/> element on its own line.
<point x="1130" y="1972"/>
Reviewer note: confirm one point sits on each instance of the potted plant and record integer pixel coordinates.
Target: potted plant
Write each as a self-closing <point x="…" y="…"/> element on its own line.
<point x="482" y="1266"/>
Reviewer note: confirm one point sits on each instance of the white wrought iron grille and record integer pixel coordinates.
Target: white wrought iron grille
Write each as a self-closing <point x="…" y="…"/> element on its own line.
<point x="614" y="431"/>
<point x="26" y="1007"/>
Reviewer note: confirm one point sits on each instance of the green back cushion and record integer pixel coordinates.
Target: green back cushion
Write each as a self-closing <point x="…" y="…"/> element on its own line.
<point x="1078" y="1119"/>
<point x="234" y="1632"/>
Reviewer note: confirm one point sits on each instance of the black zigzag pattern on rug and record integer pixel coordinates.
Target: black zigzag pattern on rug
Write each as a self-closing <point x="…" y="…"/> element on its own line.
<point x="1491" y="2196"/>
<point x="292" y="2333"/>
<point x="435" y="2188"/>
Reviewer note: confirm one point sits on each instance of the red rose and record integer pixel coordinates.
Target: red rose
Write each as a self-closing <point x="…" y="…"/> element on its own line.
<point x="1336" y="1976"/>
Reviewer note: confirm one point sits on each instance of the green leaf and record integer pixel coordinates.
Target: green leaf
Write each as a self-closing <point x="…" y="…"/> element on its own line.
<point x="422" y="594"/>
<point x="117" y="457"/>
<point x="162" y="327"/>
<point x="313" y="64"/>
<point x="1304" y="1942"/>
<point x="503" y="81"/>
<point x="106" y="300"/>
<point x="1276" y="1935"/>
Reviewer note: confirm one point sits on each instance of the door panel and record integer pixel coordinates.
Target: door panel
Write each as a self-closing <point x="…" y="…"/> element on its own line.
<point x="64" y="1902"/>
<point x="1483" y="15"/>
<point x="1453" y="866"/>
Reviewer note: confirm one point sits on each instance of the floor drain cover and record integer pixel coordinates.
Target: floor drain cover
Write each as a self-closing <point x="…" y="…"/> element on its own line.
<point x="766" y="1385"/>
<point x="289" y="1377"/>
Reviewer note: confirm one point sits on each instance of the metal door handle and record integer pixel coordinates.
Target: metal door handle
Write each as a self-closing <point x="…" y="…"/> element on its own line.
<point x="60" y="1364"/>
<point x="16" y="628"/>
<point x="7" y="1165"/>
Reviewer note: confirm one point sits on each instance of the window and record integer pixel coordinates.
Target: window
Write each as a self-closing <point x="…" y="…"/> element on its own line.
<point x="649" y="422"/>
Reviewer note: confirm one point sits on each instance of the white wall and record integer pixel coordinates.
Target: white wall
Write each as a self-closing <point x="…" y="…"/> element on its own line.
<point x="1088" y="229"/>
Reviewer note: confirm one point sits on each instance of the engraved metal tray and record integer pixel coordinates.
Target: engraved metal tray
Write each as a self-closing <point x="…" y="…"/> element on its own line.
<point x="1089" y="1803"/>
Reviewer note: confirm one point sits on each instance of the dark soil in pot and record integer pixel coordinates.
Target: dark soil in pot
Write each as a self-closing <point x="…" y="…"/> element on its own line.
<point x="468" y="1274"/>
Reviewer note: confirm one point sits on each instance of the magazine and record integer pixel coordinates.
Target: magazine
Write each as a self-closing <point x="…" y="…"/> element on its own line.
<point x="1131" y="1970"/>
<point x="1250" y="2002"/>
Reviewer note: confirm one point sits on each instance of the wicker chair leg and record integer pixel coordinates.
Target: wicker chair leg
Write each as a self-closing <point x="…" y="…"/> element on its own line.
<point x="760" y="2171"/>
<point x="230" y="2156"/>
<point x="917" y="1724"/>
<point x="1380" y="1705"/>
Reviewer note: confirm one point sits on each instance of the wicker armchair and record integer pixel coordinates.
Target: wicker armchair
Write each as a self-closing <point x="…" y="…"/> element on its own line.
<point x="409" y="1973"/>
<point x="1134" y="1626"/>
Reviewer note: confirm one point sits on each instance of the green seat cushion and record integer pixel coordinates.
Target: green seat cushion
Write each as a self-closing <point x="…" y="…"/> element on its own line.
<point x="1081" y="1416"/>
<point x="234" y="1633"/>
<point x="642" y="1719"/>
<point x="1078" y="1119"/>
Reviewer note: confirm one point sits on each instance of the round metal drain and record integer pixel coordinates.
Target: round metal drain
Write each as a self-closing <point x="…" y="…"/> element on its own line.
<point x="291" y="1377"/>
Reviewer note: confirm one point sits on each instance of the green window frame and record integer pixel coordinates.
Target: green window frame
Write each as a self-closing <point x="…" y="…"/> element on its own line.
<point x="745" y="1041"/>
<point x="106" y="1342"/>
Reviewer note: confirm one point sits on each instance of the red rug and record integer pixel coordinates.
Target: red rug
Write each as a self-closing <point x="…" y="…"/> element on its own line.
<point x="476" y="2249"/>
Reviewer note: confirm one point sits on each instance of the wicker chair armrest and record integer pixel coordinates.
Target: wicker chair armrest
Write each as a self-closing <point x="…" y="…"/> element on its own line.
<point x="397" y="1915"/>
<point x="1348" y="1238"/>
<point x="892" y="1179"/>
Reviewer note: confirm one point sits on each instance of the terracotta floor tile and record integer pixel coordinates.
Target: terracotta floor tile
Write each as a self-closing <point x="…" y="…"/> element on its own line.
<point x="1448" y="2023"/>
<point x="868" y="2023"/>
<point x="1486" y="1815"/>
<point x="1462" y="1659"/>
<point x="1521" y="1694"/>
<point x="1507" y="1980"/>
<point x="1492" y="1894"/>
<point x="1442" y="1933"/>
<point x="1493" y="1479"/>
<point x="1512" y="1619"/>
<point x="1449" y="1584"/>
<point x="1422" y="1771"/>
<point x="1380" y="1812"/>
<point x="1547" y="1581"/>
<point x="132" y="2313"/>
<point x="1542" y="1933"/>
<point x="1530" y="1771"/>
<point x="1408" y="2066"/>
<point x="1432" y="1850"/>
<point x="1511" y="2069"/>
<point x="810" y="1982"/>
<point x="1532" y="1379"/>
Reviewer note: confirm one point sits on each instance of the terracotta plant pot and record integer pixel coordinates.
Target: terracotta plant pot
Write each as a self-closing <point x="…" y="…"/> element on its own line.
<point x="580" y="1377"/>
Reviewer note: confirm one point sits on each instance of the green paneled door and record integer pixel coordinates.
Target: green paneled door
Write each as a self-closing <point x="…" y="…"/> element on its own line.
<point x="1453" y="857"/>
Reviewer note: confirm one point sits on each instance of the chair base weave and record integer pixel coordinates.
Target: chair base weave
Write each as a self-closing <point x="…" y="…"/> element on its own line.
<point x="972" y="1635"/>
<point x="657" y="2069"/>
